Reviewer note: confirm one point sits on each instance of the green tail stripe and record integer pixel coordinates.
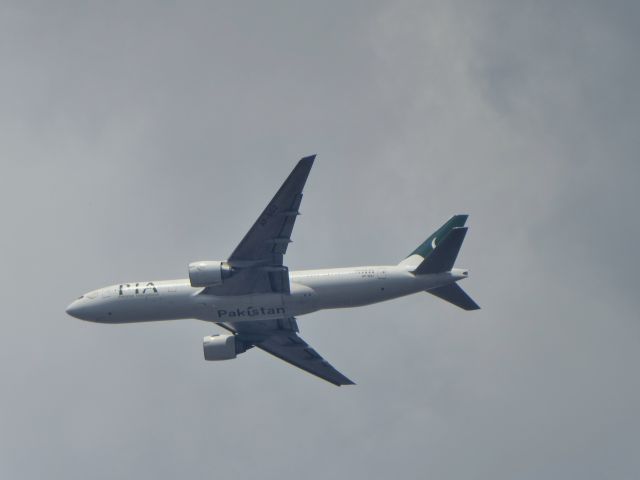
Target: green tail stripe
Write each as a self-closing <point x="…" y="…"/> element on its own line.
<point x="444" y="256"/>
<point x="427" y="247"/>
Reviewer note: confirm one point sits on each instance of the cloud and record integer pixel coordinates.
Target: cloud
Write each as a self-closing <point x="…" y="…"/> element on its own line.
<point x="138" y="138"/>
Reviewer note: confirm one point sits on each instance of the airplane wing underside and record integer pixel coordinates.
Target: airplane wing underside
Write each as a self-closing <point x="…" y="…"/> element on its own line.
<point x="257" y="260"/>
<point x="257" y="264"/>
<point x="280" y="339"/>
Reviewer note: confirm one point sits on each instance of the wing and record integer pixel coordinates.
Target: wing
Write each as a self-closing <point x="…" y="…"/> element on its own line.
<point x="267" y="241"/>
<point x="280" y="339"/>
<point x="257" y="260"/>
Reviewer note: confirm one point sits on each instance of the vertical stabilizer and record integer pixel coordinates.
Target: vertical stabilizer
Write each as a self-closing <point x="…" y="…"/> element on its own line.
<point x="444" y="255"/>
<point x="424" y="250"/>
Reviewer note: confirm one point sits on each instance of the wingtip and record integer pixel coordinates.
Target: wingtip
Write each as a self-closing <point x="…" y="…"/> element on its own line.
<point x="308" y="159"/>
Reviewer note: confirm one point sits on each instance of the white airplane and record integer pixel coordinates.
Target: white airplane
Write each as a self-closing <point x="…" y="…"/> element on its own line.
<point x="256" y="298"/>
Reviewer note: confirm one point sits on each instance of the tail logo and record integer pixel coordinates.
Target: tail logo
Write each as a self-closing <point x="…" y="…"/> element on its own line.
<point x="433" y="243"/>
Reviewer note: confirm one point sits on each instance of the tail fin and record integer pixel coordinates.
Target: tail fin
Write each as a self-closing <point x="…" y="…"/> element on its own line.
<point x="452" y="293"/>
<point x="444" y="255"/>
<point x="438" y="254"/>
<point x="424" y="250"/>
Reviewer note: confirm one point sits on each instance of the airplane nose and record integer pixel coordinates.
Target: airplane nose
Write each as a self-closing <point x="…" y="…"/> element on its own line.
<point x="72" y="309"/>
<point x="75" y="309"/>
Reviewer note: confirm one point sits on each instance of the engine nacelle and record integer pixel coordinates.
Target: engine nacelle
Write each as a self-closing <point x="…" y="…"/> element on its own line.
<point x="208" y="273"/>
<point x="222" y="347"/>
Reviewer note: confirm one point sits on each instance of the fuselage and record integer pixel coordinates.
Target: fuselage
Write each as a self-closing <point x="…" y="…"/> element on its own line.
<point x="256" y="298"/>
<point x="310" y="291"/>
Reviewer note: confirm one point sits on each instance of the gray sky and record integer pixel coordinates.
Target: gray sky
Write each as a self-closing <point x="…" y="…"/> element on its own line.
<point x="137" y="138"/>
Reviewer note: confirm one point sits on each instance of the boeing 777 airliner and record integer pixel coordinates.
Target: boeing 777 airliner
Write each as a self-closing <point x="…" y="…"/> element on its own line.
<point x="255" y="297"/>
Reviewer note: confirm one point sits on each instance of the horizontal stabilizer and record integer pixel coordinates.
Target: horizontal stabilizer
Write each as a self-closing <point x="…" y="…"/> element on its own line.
<point x="444" y="254"/>
<point x="452" y="293"/>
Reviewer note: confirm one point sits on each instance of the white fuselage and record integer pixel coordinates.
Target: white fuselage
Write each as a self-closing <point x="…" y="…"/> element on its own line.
<point x="311" y="290"/>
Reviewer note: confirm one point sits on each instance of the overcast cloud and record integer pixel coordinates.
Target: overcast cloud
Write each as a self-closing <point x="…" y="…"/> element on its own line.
<point x="136" y="137"/>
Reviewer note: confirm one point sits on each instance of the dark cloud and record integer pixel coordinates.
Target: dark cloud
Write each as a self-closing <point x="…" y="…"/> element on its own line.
<point x="135" y="139"/>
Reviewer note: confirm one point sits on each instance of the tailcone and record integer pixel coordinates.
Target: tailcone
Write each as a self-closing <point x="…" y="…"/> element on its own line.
<point x="459" y="273"/>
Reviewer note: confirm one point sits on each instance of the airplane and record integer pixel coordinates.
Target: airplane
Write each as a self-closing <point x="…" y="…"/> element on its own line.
<point x="255" y="297"/>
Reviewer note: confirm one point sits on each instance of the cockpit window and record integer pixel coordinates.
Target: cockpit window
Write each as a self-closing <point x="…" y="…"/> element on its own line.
<point x="80" y="297"/>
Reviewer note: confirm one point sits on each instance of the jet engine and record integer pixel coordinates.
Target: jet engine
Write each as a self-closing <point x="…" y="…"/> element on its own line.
<point x="222" y="347"/>
<point x="208" y="273"/>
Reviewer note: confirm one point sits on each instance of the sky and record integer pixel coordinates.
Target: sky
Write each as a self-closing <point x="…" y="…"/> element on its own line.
<point x="136" y="137"/>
